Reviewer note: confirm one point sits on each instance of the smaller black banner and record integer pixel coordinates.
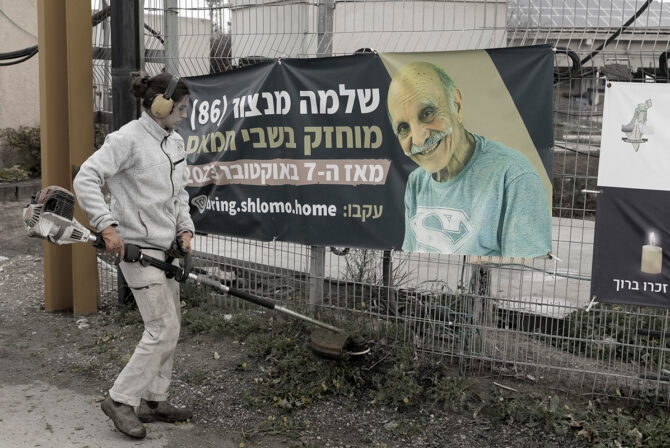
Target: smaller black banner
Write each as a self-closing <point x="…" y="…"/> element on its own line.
<point x="631" y="264"/>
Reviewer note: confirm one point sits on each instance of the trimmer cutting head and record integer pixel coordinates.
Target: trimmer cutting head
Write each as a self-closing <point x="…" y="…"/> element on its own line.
<point x="331" y="344"/>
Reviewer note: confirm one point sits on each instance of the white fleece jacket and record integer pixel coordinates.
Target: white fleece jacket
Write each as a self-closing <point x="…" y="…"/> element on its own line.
<point x="144" y="167"/>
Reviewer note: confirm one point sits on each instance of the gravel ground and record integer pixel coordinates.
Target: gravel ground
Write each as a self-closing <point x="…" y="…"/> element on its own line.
<point x="55" y="368"/>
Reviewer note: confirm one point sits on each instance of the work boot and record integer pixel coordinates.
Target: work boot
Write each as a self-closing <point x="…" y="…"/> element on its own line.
<point x="162" y="411"/>
<point x="124" y="418"/>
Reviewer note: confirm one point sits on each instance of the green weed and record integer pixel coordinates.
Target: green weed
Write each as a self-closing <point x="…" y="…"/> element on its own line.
<point x="286" y="375"/>
<point x="13" y="174"/>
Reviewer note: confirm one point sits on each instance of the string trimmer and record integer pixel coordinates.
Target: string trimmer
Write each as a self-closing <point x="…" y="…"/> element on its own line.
<point x="50" y="216"/>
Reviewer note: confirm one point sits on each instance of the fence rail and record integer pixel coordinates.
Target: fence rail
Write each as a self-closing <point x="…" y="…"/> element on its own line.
<point x="529" y="319"/>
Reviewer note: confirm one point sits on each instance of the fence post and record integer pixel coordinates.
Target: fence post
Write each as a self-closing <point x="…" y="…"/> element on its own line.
<point x="317" y="264"/>
<point x="480" y="305"/>
<point x="126" y="58"/>
<point x="325" y="28"/>
<point x="388" y="292"/>
<point x="170" y="17"/>
<point x="317" y="271"/>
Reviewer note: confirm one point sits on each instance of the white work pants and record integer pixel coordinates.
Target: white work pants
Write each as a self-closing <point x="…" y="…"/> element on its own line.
<point x="149" y="370"/>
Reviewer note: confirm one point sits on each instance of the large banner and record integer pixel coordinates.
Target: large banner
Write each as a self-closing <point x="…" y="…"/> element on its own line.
<point x="438" y="152"/>
<point x="633" y="212"/>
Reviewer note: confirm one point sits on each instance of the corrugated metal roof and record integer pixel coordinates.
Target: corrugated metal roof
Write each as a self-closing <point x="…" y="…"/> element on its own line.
<point x="587" y="13"/>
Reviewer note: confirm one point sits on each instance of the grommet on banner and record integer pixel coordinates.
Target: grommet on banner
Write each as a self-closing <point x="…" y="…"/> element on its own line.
<point x="591" y="303"/>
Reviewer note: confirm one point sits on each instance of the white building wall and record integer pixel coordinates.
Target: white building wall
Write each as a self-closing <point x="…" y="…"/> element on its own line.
<point x="391" y="26"/>
<point x="19" y="83"/>
<point x="193" y="37"/>
<point x="274" y="29"/>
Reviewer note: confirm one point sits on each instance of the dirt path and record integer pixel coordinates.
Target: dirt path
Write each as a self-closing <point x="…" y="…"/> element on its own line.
<point x="40" y="414"/>
<point x="52" y="378"/>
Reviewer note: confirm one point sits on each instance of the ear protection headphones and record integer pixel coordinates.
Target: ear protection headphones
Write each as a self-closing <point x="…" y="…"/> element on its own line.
<point x="162" y="104"/>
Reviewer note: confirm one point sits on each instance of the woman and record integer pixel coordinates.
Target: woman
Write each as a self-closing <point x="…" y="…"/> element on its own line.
<point x="144" y="167"/>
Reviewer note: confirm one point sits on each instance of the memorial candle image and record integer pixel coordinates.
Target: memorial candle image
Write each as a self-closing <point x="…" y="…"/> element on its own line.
<point x="652" y="257"/>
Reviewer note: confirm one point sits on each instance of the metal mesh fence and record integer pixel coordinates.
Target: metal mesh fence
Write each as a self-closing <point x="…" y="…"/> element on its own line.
<point x="528" y="320"/>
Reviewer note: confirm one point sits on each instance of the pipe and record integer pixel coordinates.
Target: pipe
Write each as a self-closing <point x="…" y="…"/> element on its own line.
<point x="617" y="32"/>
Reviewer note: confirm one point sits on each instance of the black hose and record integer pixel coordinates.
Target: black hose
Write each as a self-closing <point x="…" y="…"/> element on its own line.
<point x="24" y="54"/>
<point x="19" y="53"/>
<point x="617" y="32"/>
<point x="101" y="15"/>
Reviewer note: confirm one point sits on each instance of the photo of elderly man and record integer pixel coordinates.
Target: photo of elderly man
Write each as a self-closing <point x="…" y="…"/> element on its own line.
<point x="468" y="195"/>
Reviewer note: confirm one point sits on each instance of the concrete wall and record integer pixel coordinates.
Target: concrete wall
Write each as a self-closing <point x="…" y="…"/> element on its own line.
<point x="286" y="28"/>
<point x="19" y="83"/>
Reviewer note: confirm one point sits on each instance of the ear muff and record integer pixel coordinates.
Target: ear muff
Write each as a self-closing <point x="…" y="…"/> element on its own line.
<point x="162" y="104"/>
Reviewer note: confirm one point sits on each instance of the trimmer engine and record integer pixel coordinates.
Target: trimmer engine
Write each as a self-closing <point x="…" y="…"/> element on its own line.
<point x="50" y="216"/>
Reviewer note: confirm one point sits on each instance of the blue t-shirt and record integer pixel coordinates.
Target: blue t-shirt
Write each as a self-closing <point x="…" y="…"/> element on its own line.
<point x="496" y="206"/>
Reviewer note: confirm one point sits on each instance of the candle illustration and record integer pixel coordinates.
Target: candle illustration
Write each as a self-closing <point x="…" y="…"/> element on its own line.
<point x="652" y="257"/>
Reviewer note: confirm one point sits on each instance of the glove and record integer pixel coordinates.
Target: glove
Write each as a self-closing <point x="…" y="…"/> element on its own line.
<point x="181" y="245"/>
<point x="113" y="242"/>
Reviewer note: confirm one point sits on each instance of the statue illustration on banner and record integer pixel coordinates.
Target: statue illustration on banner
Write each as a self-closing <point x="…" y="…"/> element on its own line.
<point x="637" y="126"/>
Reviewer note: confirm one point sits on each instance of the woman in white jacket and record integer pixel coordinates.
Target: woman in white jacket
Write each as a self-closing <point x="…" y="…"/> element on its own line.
<point x="144" y="167"/>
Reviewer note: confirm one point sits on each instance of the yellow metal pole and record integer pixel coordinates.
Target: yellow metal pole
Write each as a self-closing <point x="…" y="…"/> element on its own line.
<point x="81" y="132"/>
<point x="54" y="130"/>
<point x="70" y="271"/>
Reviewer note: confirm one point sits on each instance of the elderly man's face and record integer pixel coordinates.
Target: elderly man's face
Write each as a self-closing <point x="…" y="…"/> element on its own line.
<point x="427" y="127"/>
